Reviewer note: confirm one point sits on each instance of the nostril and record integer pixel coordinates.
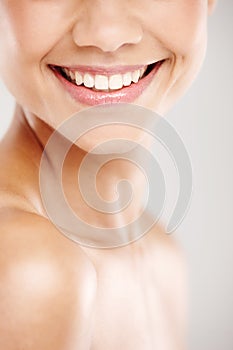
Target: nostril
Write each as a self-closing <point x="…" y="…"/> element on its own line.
<point x="107" y="34"/>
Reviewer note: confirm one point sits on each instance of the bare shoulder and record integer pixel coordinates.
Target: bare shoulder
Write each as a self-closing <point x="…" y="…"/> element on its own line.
<point x="168" y="249"/>
<point x="47" y="286"/>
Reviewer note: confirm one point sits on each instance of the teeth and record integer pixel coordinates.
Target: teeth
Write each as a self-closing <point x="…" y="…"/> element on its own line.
<point x="115" y="82"/>
<point x="78" y="78"/>
<point x="103" y="82"/>
<point x="127" y="79"/>
<point x="136" y="76"/>
<point x="88" y="80"/>
<point x="142" y="71"/>
<point x="66" y="71"/>
<point x="72" y="75"/>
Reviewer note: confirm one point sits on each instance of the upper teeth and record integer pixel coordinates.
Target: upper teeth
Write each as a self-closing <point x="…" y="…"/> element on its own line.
<point x="104" y="82"/>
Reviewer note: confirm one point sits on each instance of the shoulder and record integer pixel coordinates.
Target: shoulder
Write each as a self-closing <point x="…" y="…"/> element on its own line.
<point x="166" y="249"/>
<point x="47" y="284"/>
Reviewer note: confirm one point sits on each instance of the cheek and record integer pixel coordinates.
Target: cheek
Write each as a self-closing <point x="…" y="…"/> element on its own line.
<point x="28" y="31"/>
<point x="31" y="29"/>
<point x="179" y="25"/>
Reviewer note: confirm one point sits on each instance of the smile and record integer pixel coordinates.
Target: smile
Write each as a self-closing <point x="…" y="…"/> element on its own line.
<point x="91" y="86"/>
<point x="102" y="82"/>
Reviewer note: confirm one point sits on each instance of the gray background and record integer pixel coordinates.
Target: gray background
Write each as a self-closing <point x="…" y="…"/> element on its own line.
<point x="204" y="120"/>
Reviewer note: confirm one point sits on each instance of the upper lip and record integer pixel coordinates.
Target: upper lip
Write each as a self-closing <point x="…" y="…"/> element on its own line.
<point x="106" y="70"/>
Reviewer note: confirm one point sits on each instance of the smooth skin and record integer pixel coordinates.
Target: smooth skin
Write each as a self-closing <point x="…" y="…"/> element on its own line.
<point x="55" y="293"/>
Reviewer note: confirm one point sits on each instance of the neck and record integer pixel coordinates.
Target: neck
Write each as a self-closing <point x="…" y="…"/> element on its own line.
<point x="91" y="183"/>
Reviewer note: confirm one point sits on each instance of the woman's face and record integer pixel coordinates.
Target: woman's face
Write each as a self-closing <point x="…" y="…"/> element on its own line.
<point x="103" y="44"/>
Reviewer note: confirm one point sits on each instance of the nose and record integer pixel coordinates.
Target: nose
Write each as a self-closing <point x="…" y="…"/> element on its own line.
<point x="107" y="25"/>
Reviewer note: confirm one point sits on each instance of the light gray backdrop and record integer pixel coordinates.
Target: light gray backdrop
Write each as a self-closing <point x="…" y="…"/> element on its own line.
<point x="204" y="120"/>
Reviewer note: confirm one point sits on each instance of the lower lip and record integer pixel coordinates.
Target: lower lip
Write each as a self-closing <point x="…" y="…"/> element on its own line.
<point x="89" y="97"/>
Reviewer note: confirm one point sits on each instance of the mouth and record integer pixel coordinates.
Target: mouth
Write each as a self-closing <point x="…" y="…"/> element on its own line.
<point x="97" y="85"/>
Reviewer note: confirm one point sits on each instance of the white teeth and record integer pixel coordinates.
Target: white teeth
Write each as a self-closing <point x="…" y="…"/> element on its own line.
<point x="78" y="78"/>
<point x="115" y="82"/>
<point x="104" y="82"/>
<point x="88" y="80"/>
<point x="72" y="75"/>
<point x="101" y="82"/>
<point x="142" y="71"/>
<point x="136" y="76"/>
<point x="127" y="79"/>
<point x="66" y="71"/>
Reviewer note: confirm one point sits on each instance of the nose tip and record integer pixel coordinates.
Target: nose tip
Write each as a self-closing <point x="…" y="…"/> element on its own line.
<point x="107" y="32"/>
<point x="106" y="39"/>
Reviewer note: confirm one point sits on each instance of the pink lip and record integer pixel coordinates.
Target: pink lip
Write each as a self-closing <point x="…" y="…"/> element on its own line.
<point x="89" y="97"/>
